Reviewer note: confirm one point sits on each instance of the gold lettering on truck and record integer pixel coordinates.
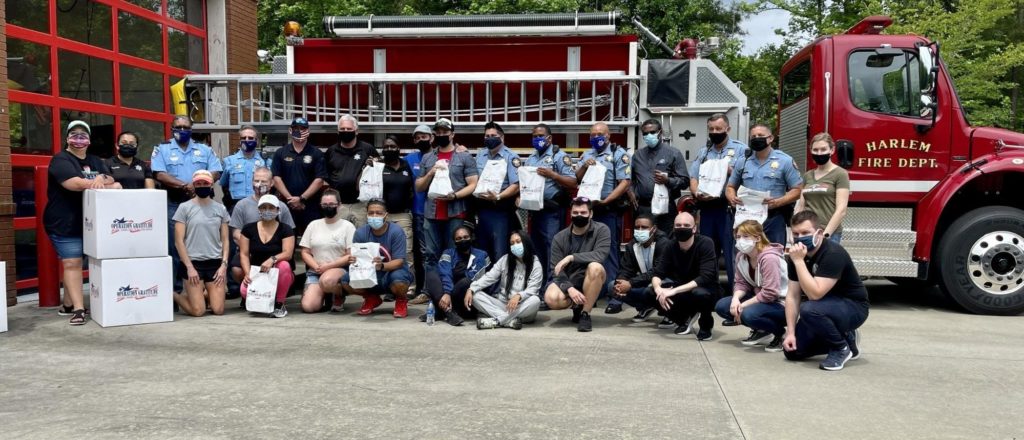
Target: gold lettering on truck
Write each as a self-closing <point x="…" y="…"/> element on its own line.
<point x="881" y="145"/>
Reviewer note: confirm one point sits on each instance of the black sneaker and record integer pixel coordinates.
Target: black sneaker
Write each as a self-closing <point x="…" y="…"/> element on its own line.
<point x="423" y="317"/>
<point x="454" y="319"/>
<point x="613" y="309"/>
<point x="757" y="337"/>
<point x="584" y="325"/>
<point x="730" y="323"/>
<point x="686" y="327"/>
<point x="241" y="304"/>
<point x="836" y="359"/>
<point x="389" y="297"/>
<point x="853" y="341"/>
<point x="776" y="345"/>
<point x="666" y="323"/>
<point x="576" y="311"/>
<point x="704" y="335"/>
<point x="642" y="315"/>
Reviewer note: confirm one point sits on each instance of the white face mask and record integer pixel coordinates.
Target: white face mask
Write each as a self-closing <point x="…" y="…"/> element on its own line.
<point x="745" y="245"/>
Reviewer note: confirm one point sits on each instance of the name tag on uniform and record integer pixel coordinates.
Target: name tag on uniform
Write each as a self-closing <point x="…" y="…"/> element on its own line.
<point x="174" y="158"/>
<point x="197" y="153"/>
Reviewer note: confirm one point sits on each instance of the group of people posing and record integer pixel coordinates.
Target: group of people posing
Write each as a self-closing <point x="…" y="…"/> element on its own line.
<point x="468" y="252"/>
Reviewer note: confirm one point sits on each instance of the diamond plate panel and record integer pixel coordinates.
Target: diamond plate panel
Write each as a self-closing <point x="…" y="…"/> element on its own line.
<point x="874" y="267"/>
<point x="879" y="218"/>
<point x="710" y="89"/>
<point x="878" y="249"/>
<point x="897" y="237"/>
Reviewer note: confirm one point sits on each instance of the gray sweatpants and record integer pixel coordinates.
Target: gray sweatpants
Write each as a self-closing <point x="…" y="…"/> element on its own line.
<point x="496" y="308"/>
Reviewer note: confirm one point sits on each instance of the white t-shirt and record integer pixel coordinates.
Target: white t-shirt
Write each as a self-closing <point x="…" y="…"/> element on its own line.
<point x="328" y="242"/>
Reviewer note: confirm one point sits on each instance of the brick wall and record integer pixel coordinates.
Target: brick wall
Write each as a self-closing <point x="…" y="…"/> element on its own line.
<point x="241" y="46"/>
<point x="6" y="198"/>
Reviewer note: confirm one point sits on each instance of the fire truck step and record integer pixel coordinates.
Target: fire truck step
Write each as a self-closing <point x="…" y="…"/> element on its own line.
<point x="877" y="267"/>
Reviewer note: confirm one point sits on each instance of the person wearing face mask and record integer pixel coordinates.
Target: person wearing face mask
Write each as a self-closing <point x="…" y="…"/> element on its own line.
<point x="577" y="254"/>
<point x="246" y="211"/>
<point x="70" y="172"/>
<point x="636" y="268"/>
<point x="443" y="215"/>
<point x="422" y="139"/>
<point x="772" y="171"/>
<point x="759" y="294"/>
<point x="685" y="281"/>
<point x="300" y="171"/>
<point x="393" y="276"/>
<point x="345" y="162"/>
<point x="236" y="180"/>
<point x="173" y="164"/>
<point x="519" y="276"/>
<point x="559" y="180"/>
<point x="268" y="244"/>
<point x="716" y="216"/>
<point x="325" y="250"/>
<point x="608" y="211"/>
<point x="826" y="189"/>
<point x="201" y="238"/>
<point x="837" y="302"/>
<point x="125" y="168"/>
<point x="447" y="286"/>
<point x="398" y="193"/>
<point x="495" y="211"/>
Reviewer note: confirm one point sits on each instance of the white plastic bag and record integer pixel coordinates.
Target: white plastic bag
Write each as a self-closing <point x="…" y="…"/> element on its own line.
<point x="362" y="274"/>
<point x="491" y="177"/>
<point x="371" y="182"/>
<point x="441" y="185"/>
<point x="531" y="189"/>
<point x="753" y="206"/>
<point x="713" y="174"/>
<point x="659" y="203"/>
<point x="593" y="182"/>
<point x="261" y="291"/>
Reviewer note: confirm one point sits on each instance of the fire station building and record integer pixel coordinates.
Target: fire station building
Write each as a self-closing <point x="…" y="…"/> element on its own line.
<point x="110" y="63"/>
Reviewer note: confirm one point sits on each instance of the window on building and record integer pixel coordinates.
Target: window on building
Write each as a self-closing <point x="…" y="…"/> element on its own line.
<point x="185" y="51"/>
<point x="85" y="77"/>
<point x="29" y="14"/>
<point x="28" y="66"/>
<point x="887" y="82"/>
<point x="151" y="134"/>
<point x="186" y="11"/>
<point x="142" y="89"/>
<point x="31" y="129"/>
<point x="85" y="21"/>
<point x="139" y="37"/>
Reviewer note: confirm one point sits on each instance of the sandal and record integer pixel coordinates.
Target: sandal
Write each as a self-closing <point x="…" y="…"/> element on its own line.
<point x="64" y="310"/>
<point x="78" y="317"/>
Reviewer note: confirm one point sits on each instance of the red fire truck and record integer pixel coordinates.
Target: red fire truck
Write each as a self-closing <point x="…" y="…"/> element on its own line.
<point x="932" y="199"/>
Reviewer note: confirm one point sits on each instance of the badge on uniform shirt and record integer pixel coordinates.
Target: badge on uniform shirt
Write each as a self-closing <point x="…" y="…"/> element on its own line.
<point x="516" y="162"/>
<point x="174" y="158"/>
<point x="138" y="167"/>
<point x="357" y="156"/>
<point x="197" y="153"/>
<point x="259" y="162"/>
<point x="289" y="159"/>
<point x="775" y="165"/>
<point x="238" y="166"/>
<point x="405" y="173"/>
<point x="307" y="159"/>
<point x="731" y="153"/>
<point x="548" y="160"/>
<point x="661" y="161"/>
<point x="608" y="157"/>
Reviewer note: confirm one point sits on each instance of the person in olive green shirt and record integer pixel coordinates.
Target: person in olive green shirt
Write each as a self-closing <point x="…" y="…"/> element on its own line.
<point x="826" y="188"/>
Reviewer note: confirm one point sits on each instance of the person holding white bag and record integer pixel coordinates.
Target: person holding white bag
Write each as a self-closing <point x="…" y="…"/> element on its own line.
<point x="498" y="167"/>
<point x="442" y="215"/>
<point x="555" y="167"/>
<point x="269" y="244"/>
<point x="392" y="274"/>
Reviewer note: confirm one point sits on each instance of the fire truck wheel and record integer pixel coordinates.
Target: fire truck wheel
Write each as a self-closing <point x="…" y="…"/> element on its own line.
<point x="981" y="261"/>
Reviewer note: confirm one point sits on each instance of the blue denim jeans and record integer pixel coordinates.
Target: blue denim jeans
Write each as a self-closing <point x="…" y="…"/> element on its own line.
<point x="770" y="318"/>
<point x="638" y="296"/>
<point x="438" y="237"/>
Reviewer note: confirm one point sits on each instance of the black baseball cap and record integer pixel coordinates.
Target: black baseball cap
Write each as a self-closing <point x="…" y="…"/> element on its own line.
<point x="299" y="121"/>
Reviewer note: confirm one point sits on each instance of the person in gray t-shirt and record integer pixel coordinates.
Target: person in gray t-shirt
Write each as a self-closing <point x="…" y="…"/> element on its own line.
<point x="246" y="211"/>
<point x="200" y="237"/>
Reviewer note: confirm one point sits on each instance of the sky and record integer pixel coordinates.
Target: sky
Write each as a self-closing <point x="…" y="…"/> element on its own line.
<point x="760" y="29"/>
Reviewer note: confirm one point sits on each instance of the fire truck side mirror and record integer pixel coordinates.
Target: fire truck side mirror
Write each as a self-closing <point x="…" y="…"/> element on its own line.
<point x="844" y="153"/>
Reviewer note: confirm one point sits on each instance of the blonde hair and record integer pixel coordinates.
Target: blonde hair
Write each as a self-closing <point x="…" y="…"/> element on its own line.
<point x="754" y="229"/>
<point x="827" y="138"/>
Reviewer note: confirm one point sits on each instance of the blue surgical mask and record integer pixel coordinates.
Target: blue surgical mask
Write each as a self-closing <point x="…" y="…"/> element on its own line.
<point x="375" y="222"/>
<point x="492" y="142"/>
<point x="540" y="143"/>
<point x="182" y="136"/>
<point x="598" y="143"/>
<point x="517" y="250"/>
<point x="807" y="241"/>
<point x="652" y="140"/>
<point x="642" y="235"/>
<point x="249" y="145"/>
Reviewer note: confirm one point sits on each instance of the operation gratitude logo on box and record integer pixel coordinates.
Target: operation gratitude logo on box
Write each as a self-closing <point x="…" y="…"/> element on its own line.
<point x="130" y="226"/>
<point x="129" y="292"/>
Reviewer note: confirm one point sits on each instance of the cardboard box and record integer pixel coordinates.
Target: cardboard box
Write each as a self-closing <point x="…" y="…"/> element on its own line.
<point x="125" y="223"/>
<point x="130" y="291"/>
<point x="3" y="306"/>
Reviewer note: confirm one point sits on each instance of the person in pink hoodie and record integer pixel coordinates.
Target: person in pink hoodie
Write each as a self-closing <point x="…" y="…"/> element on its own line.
<point x="759" y="292"/>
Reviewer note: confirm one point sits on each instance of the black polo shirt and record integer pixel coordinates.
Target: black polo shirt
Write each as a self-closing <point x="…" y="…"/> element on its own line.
<point x="398" y="190"/>
<point x="345" y="165"/>
<point x="132" y="175"/>
<point x="832" y="261"/>
<point x="298" y="170"/>
<point x="63" y="213"/>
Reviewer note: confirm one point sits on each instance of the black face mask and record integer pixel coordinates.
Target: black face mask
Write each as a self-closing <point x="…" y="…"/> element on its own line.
<point x="127" y="150"/>
<point x="821" y="159"/>
<point x="580" y="221"/>
<point x="329" y="212"/>
<point x="423" y="146"/>
<point x="758" y="143"/>
<point x="391" y="155"/>
<point x="683" y="234"/>
<point x="442" y="141"/>
<point x="346" y="136"/>
<point x="463" y="246"/>
<point x="204" y="192"/>
<point x="718" y="138"/>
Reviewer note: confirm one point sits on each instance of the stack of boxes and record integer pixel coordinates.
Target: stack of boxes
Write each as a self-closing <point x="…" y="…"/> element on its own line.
<point x="130" y="276"/>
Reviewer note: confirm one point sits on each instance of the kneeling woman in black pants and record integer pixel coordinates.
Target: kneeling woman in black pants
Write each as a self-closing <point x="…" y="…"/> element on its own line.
<point x="456" y="269"/>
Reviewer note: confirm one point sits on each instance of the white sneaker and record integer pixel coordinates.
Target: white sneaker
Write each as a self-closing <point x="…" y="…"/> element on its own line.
<point x="280" y="313"/>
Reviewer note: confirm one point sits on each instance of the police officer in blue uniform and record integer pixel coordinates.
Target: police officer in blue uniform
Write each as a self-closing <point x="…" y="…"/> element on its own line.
<point x="495" y="211"/>
<point x="614" y="200"/>
<point x="771" y="170"/>
<point x="238" y="168"/>
<point x="716" y="216"/>
<point x="559" y="180"/>
<point x="173" y="162"/>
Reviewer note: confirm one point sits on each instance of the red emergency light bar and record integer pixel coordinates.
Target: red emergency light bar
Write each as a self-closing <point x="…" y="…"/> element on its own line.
<point x="872" y="25"/>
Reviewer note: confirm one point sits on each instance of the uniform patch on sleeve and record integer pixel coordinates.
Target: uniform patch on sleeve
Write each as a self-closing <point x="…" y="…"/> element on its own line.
<point x="566" y="160"/>
<point x="446" y="258"/>
<point x="516" y="162"/>
<point x="625" y="159"/>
